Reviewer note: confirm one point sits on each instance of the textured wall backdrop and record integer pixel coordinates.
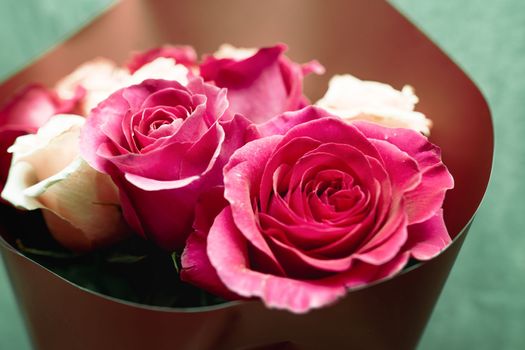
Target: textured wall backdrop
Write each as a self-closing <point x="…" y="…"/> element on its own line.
<point x="483" y="304"/>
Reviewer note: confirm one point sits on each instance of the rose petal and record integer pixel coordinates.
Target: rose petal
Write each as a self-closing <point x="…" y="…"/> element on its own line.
<point x="196" y="266"/>
<point x="241" y="178"/>
<point x="259" y="86"/>
<point x="280" y="124"/>
<point x="426" y="199"/>
<point x="227" y="250"/>
<point x="403" y="171"/>
<point x="146" y="212"/>
<point x="427" y="239"/>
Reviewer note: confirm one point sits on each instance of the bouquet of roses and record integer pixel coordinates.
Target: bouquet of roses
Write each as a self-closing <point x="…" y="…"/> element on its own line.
<point x="222" y="180"/>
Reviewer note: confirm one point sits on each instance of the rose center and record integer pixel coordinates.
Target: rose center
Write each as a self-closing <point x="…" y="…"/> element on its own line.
<point x="163" y="121"/>
<point x="339" y="194"/>
<point x="327" y="188"/>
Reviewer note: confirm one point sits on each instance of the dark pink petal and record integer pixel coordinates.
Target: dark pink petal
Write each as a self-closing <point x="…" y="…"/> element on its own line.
<point x="403" y="171"/>
<point x="151" y="165"/>
<point x="228" y="253"/>
<point x="304" y="235"/>
<point x="242" y="176"/>
<point x="332" y="130"/>
<point x="280" y="124"/>
<point x="287" y="154"/>
<point x="126" y="202"/>
<point x="202" y="155"/>
<point x="197" y="269"/>
<point x="348" y="242"/>
<point x="216" y="100"/>
<point x="173" y="96"/>
<point x="104" y="126"/>
<point x="427" y="198"/>
<point x="293" y="75"/>
<point x="231" y="73"/>
<point x="181" y="54"/>
<point x="299" y="264"/>
<point x="148" y="215"/>
<point x="235" y="131"/>
<point x="362" y="273"/>
<point x="427" y="239"/>
<point x="260" y="86"/>
<point x="386" y="243"/>
<point x="196" y="266"/>
<point x="343" y="157"/>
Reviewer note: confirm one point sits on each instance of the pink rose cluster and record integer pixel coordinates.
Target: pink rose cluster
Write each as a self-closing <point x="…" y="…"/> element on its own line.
<point x="225" y="161"/>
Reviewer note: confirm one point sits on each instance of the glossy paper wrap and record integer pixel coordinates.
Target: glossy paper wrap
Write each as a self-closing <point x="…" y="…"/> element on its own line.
<point x="369" y="39"/>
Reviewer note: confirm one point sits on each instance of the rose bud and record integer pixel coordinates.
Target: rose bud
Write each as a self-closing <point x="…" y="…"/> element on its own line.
<point x="354" y="99"/>
<point x="79" y="204"/>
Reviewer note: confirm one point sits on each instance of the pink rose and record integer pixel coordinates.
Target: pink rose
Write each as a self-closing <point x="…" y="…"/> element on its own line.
<point x="25" y="113"/>
<point x="163" y="144"/>
<point x="262" y="85"/>
<point x="324" y="207"/>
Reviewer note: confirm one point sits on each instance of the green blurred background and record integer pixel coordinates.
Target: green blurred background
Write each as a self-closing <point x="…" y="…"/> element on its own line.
<point x="483" y="304"/>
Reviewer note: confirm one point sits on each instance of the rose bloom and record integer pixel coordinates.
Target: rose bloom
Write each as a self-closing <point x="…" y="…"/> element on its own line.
<point x="319" y="208"/>
<point x="354" y="99"/>
<point x="163" y="144"/>
<point x="80" y="205"/>
<point x="261" y="83"/>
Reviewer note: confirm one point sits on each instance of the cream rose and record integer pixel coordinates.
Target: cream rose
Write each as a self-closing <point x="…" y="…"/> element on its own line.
<point x="353" y="99"/>
<point x="80" y="205"/>
<point x="236" y="53"/>
<point x="101" y="77"/>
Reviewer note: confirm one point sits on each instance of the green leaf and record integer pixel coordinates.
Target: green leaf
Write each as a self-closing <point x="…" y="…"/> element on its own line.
<point x="125" y="259"/>
<point x="48" y="253"/>
<point x="175" y="259"/>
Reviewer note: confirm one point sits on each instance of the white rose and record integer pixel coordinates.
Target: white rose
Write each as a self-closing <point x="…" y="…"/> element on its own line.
<point x="101" y="77"/>
<point x="80" y="205"/>
<point x="235" y="53"/>
<point x="353" y="99"/>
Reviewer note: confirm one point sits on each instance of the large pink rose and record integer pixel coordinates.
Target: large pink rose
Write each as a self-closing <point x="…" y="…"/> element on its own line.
<point x="262" y="85"/>
<point x="25" y="113"/>
<point x="163" y="144"/>
<point x="324" y="207"/>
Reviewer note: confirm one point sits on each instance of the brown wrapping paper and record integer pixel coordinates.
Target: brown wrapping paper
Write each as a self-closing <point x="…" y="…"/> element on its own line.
<point x="366" y="38"/>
